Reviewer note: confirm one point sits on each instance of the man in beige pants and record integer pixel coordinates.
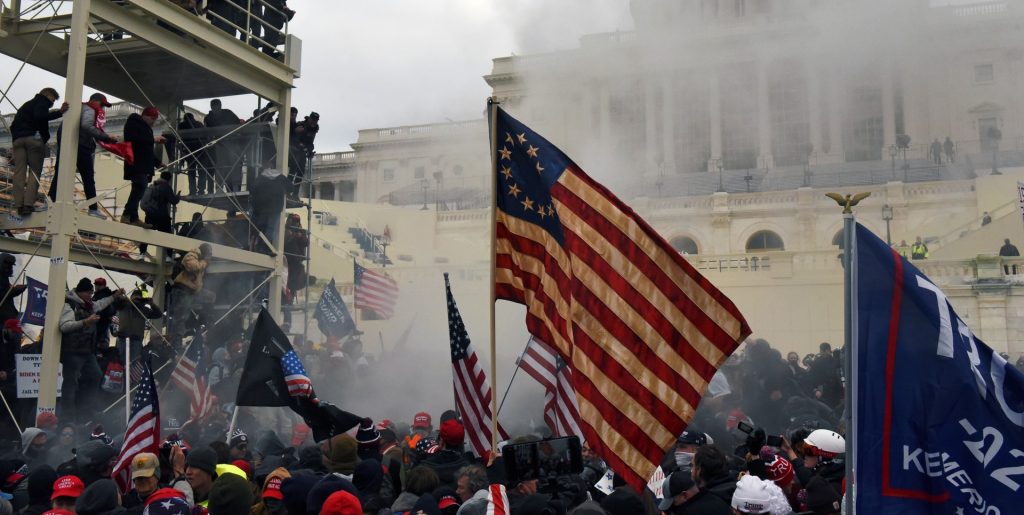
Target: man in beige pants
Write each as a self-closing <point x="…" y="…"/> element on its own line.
<point x="30" y="131"/>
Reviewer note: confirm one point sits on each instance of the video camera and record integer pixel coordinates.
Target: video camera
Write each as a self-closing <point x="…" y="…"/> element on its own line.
<point x="543" y="460"/>
<point x="756" y="438"/>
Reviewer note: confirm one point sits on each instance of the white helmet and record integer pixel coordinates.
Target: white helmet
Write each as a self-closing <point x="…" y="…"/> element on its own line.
<point x="825" y="443"/>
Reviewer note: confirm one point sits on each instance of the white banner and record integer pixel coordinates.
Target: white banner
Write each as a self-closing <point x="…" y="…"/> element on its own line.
<point x="28" y="367"/>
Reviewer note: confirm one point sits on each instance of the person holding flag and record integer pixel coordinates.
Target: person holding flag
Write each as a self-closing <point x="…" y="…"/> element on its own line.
<point x="90" y="133"/>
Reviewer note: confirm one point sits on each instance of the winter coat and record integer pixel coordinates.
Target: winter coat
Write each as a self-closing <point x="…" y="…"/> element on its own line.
<point x="704" y="503"/>
<point x="404" y="502"/>
<point x="222" y="117"/>
<point x="193" y="270"/>
<point x="99" y="498"/>
<point x="88" y="133"/>
<point x="163" y="197"/>
<point x="33" y="117"/>
<point x="132" y="323"/>
<point x="77" y="335"/>
<point x="475" y="504"/>
<point x="268" y="191"/>
<point x="140" y="135"/>
<point x="446" y="463"/>
<point x="8" y="310"/>
<point x="722" y="487"/>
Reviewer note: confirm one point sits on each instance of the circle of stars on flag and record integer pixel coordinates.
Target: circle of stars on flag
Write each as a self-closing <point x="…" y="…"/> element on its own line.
<point x="514" y="191"/>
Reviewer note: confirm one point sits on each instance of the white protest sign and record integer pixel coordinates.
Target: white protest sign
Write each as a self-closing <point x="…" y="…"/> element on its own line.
<point x="28" y="368"/>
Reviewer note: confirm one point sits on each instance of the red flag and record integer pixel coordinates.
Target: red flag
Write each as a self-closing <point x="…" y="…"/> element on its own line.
<point x="643" y="331"/>
<point x="122" y="149"/>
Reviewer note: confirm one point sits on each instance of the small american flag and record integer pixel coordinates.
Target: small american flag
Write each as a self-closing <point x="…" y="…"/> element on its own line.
<point x="375" y="291"/>
<point x="542" y="363"/>
<point x="497" y="500"/>
<point x="472" y="392"/>
<point x="143" y="433"/>
<point x="295" y="375"/>
<point x="191" y="377"/>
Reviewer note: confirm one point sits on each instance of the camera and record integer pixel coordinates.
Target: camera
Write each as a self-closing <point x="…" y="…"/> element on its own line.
<point x="543" y="459"/>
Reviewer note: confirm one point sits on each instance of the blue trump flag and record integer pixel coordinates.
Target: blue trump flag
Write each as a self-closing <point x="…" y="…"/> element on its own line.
<point x="35" y="303"/>
<point x="332" y="314"/>
<point x="939" y="416"/>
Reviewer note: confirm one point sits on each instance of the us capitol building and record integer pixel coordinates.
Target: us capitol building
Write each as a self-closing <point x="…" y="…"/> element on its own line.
<point x="723" y="123"/>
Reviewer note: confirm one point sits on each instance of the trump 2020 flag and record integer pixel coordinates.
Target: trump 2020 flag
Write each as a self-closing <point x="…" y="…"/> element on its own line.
<point x="939" y="415"/>
<point x="332" y="314"/>
<point x="35" y="303"/>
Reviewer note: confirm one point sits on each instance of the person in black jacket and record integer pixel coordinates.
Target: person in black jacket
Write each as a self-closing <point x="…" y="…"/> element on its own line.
<point x="30" y="130"/>
<point x="158" y="207"/>
<point x="138" y="130"/>
<point x="268" y="192"/>
<point x="107" y="314"/>
<point x="8" y="291"/>
<point x="199" y="165"/>
<point x="227" y="151"/>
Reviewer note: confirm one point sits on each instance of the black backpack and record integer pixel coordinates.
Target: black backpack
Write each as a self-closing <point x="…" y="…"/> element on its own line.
<point x="149" y="204"/>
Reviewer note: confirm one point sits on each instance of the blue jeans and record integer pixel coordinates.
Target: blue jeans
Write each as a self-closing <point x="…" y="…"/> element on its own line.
<point x="82" y="378"/>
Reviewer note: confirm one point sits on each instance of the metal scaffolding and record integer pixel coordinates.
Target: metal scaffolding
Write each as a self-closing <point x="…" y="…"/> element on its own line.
<point x="169" y="56"/>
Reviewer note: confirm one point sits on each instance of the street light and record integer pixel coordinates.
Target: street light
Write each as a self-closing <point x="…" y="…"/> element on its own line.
<point x="892" y="153"/>
<point x="425" y="186"/>
<point x="887" y="216"/>
<point x="721" y="170"/>
<point x="385" y="240"/>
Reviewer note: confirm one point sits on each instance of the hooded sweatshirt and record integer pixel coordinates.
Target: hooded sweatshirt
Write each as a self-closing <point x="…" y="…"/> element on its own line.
<point x="99" y="498"/>
<point x="27" y="436"/>
<point x="260" y="508"/>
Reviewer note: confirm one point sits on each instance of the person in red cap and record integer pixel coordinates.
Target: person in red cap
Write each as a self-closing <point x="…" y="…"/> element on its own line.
<point x="449" y="458"/>
<point x="342" y="503"/>
<point x="138" y="130"/>
<point x="90" y="131"/>
<point x="66" y="490"/>
<point x="420" y="429"/>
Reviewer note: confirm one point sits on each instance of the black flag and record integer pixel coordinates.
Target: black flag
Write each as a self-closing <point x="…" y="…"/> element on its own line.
<point x="332" y="314"/>
<point x="274" y="376"/>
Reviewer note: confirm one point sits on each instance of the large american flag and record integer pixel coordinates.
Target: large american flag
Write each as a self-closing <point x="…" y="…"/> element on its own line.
<point x="191" y="376"/>
<point x="472" y="391"/>
<point x="375" y="291"/>
<point x="143" y="433"/>
<point x="641" y="329"/>
<point x="542" y="363"/>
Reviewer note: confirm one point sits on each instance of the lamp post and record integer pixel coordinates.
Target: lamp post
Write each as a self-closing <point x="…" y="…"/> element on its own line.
<point x="747" y="178"/>
<point x="721" y="171"/>
<point x="892" y="153"/>
<point x="385" y="240"/>
<point x="425" y="186"/>
<point x="887" y="216"/>
<point x="438" y="175"/>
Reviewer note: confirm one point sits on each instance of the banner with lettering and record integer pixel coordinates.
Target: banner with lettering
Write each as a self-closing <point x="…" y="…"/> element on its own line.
<point x="332" y="314"/>
<point x="27" y="367"/>
<point x="939" y="416"/>
<point x="35" y="303"/>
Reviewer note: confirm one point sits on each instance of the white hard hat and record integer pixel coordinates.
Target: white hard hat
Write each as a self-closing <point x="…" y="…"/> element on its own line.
<point x="825" y="443"/>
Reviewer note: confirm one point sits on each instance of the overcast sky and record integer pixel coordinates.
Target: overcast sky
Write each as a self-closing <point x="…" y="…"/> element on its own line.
<point x="378" y="63"/>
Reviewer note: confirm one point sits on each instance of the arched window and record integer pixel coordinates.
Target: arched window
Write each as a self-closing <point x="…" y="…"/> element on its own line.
<point x="685" y="245"/>
<point x="763" y="241"/>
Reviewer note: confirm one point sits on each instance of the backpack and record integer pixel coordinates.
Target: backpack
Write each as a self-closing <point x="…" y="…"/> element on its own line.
<point x="149" y="204"/>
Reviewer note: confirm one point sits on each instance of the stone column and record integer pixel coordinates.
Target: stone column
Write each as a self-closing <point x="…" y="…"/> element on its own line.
<point x="814" y="124"/>
<point x="991" y="326"/>
<point x="836" y="112"/>
<point x="721" y="223"/>
<point x="650" y="130"/>
<point x="764" y="121"/>
<point x="337" y="191"/>
<point x="715" y="107"/>
<point x="888" y="109"/>
<point x="668" y="110"/>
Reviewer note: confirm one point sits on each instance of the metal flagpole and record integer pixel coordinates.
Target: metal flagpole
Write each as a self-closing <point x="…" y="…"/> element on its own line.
<point x="492" y="118"/>
<point x="850" y="321"/>
<point x="127" y="379"/>
<point x="355" y="309"/>
<point x="231" y="428"/>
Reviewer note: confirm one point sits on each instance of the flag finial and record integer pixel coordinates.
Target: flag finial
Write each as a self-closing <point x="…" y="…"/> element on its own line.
<point x="848" y="201"/>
